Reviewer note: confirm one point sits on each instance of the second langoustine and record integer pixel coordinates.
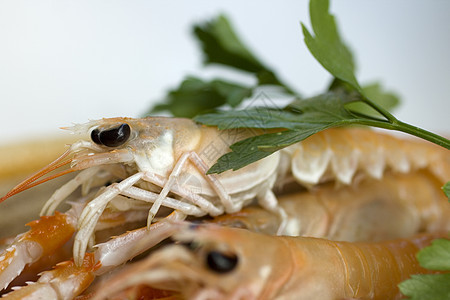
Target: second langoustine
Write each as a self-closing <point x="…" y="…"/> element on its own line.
<point x="230" y="263"/>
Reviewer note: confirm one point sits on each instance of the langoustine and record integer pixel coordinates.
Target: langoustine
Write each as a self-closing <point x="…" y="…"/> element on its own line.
<point x="231" y="263"/>
<point x="155" y="157"/>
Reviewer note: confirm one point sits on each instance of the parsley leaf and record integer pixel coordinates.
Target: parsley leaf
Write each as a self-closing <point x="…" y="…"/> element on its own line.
<point x="195" y="96"/>
<point x="332" y="53"/>
<point x="252" y="149"/>
<point x="436" y="256"/>
<point x="319" y="111"/>
<point x="446" y="189"/>
<point x="302" y="118"/>
<point x="327" y="46"/>
<point x="427" y="287"/>
<point x="258" y="117"/>
<point x="434" y="286"/>
<point x="221" y="45"/>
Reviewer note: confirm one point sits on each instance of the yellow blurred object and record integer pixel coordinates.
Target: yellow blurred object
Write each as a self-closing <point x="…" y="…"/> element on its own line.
<point x="23" y="158"/>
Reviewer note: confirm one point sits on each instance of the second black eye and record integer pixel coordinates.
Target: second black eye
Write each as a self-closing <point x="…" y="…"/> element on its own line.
<point x="113" y="137"/>
<point x="220" y="262"/>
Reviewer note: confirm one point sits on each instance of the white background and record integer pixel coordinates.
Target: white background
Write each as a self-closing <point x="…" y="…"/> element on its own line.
<point x="71" y="61"/>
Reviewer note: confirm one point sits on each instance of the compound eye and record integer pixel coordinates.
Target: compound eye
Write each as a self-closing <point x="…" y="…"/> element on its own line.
<point x="113" y="137"/>
<point x="220" y="262"/>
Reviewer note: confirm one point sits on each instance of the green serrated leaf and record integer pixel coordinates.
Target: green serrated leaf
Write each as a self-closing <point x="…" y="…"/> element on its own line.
<point x="436" y="256"/>
<point x="259" y="117"/>
<point x="324" y="108"/>
<point x="221" y="45"/>
<point x="304" y="114"/>
<point x="327" y="46"/>
<point x="302" y="117"/>
<point x="427" y="287"/>
<point x="446" y="189"/>
<point x="331" y="52"/>
<point x="255" y="148"/>
<point x="195" y="96"/>
<point x="434" y="286"/>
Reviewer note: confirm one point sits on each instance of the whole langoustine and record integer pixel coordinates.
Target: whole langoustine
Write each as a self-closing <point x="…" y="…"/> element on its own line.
<point x="156" y="158"/>
<point x="231" y="263"/>
<point x="397" y="206"/>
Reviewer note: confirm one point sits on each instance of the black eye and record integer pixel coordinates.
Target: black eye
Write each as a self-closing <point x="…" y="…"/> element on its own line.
<point x="220" y="262"/>
<point x="95" y="136"/>
<point x="113" y="137"/>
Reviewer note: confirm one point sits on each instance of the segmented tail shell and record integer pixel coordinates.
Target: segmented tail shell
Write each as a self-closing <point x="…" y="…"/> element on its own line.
<point x="342" y="152"/>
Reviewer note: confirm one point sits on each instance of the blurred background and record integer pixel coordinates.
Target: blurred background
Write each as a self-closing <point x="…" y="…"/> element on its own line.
<point x="64" y="62"/>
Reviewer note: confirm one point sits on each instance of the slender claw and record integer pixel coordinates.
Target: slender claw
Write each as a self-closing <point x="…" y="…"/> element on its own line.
<point x="93" y="211"/>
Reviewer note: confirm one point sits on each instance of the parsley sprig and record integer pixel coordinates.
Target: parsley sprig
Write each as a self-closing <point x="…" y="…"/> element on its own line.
<point x="304" y="117"/>
<point x="346" y="102"/>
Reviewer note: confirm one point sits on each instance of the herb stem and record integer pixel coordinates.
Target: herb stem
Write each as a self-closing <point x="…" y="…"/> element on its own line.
<point x="407" y="128"/>
<point x="395" y="124"/>
<point x="422" y="133"/>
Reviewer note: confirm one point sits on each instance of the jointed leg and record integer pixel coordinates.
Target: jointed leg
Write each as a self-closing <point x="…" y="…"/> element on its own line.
<point x="147" y="196"/>
<point x="171" y="183"/>
<point x="63" y="192"/>
<point x="93" y="211"/>
<point x="187" y="195"/>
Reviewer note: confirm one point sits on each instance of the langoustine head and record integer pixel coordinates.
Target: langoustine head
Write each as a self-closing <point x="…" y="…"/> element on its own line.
<point x="137" y="144"/>
<point x="210" y="262"/>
